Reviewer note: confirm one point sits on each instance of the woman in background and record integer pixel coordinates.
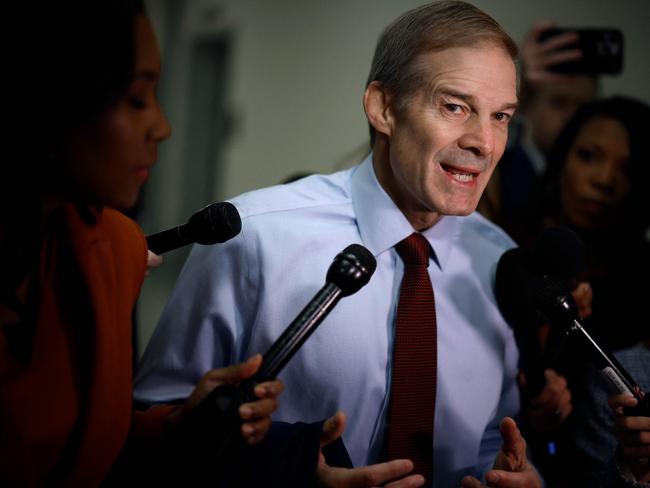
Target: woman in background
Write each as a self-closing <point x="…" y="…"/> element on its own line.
<point x="596" y="184"/>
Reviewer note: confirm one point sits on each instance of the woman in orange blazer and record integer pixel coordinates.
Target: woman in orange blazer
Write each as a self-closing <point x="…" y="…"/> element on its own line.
<point x="86" y="126"/>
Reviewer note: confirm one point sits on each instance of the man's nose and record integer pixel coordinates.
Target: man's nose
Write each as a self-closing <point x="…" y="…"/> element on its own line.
<point x="478" y="137"/>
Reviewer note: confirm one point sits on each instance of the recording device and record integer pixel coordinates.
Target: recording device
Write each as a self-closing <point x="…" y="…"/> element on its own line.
<point x="558" y="253"/>
<point x="215" y="223"/>
<point x="524" y="284"/>
<point x="554" y="301"/>
<point x="351" y="270"/>
<point x="602" y="51"/>
<point x="217" y="416"/>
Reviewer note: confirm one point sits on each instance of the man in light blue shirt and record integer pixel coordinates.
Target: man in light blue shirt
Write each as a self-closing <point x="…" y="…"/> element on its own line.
<point x="440" y="94"/>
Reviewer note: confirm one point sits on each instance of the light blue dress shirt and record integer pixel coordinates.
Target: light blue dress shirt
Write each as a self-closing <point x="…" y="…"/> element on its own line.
<point x="233" y="300"/>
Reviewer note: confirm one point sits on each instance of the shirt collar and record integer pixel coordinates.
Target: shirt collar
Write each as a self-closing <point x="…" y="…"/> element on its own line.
<point x="382" y="225"/>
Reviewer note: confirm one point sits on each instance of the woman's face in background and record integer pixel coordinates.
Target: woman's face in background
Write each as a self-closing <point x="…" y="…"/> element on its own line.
<point x="110" y="158"/>
<point x="596" y="176"/>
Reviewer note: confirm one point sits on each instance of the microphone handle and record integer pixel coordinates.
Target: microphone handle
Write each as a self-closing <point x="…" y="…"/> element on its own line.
<point x="167" y="240"/>
<point x="216" y="419"/>
<point x="614" y="372"/>
<point x="297" y="332"/>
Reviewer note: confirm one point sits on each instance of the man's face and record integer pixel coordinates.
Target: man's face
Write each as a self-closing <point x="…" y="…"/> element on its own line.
<point x="445" y="144"/>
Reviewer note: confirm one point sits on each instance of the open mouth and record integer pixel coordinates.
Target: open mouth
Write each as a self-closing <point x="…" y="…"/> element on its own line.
<point x="460" y="175"/>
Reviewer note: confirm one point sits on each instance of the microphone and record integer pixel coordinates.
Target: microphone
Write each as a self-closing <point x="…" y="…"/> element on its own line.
<point x="218" y="413"/>
<point x="214" y="223"/>
<point x="558" y="253"/>
<point x="513" y="292"/>
<point x="529" y="286"/>
<point x="558" y="305"/>
<point x="351" y="270"/>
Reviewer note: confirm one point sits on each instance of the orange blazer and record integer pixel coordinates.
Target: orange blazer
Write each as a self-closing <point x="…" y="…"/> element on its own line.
<point x="66" y="411"/>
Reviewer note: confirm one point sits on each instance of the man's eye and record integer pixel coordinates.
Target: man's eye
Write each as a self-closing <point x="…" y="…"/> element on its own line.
<point x="453" y="108"/>
<point x="502" y="117"/>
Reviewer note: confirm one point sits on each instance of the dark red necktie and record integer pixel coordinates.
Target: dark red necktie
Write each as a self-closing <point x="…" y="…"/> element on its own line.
<point x="413" y="385"/>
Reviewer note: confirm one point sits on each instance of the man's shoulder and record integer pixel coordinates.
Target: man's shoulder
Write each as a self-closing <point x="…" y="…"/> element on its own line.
<point x="308" y="193"/>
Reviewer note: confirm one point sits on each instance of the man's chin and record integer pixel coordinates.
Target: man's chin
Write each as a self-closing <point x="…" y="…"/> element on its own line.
<point x="461" y="211"/>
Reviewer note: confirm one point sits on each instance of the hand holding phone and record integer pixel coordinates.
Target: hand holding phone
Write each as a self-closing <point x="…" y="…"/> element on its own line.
<point x="601" y="51"/>
<point x="552" y="54"/>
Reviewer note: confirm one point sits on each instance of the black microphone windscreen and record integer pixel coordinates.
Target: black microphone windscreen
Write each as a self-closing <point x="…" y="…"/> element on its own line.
<point x="515" y="288"/>
<point x="559" y="253"/>
<point x="515" y="291"/>
<point x="351" y="269"/>
<point x="556" y="302"/>
<point x="215" y="223"/>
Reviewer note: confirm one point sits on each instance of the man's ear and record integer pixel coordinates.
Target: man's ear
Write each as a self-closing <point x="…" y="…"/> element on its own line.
<point x="378" y="108"/>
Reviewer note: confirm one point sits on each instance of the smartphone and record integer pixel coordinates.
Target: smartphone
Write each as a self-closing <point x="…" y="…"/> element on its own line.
<point x="602" y="51"/>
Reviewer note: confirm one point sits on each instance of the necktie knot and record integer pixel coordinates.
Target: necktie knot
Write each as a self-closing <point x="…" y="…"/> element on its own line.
<point x="414" y="250"/>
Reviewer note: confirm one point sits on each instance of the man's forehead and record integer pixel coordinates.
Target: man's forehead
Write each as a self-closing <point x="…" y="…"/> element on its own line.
<point x="473" y="71"/>
<point x="483" y="57"/>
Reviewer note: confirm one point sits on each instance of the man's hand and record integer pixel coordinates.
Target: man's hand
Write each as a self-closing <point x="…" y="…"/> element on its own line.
<point x="368" y="476"/>
<point x="633" y="434"/>
<point x="511" y="468"/>
<point x="256" y="415"/>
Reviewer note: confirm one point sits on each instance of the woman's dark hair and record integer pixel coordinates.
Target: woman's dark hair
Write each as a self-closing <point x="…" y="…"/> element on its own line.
<point x="75" y="61"/>
<point x="634" y="116"/>
<point x="84" y="54"/>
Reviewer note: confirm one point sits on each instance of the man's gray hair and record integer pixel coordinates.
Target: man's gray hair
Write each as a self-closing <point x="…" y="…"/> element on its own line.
<point x="429" y="28"/>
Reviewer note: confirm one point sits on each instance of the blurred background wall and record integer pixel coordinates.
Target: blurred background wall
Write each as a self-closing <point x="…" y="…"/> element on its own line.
<point x="259" y="90"/>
